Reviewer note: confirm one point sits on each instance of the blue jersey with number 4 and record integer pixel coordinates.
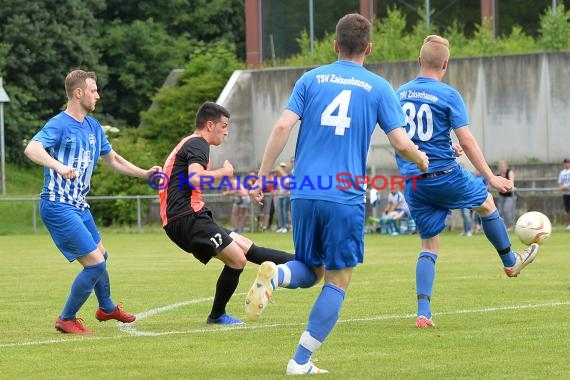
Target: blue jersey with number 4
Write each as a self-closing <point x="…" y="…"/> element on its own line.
<point x="339" y="106"/>
<point x="432" y="109"/>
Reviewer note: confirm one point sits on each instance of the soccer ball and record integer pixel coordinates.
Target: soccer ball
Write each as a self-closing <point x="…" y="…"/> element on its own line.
<point x="533" y="227"/>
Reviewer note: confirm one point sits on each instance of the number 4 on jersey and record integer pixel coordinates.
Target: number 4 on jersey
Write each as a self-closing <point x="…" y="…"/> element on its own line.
<point x="340" y="121"/>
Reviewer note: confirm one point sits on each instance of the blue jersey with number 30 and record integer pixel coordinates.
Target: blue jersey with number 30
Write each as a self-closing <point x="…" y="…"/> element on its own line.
<point x="339" y="106"/>
<point x="432" y="108"/>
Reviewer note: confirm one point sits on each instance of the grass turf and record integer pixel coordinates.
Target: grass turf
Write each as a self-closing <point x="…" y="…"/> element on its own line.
<point x="487" y="325"/>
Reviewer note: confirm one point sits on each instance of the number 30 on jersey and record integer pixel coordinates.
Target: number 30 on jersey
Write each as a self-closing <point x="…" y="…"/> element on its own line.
<point x="419" y="122"/>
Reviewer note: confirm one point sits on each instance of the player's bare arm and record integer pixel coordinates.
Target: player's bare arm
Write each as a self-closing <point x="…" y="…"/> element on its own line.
<point x="120" y="164"/>
<point x="227" y="170"/>
<point x="35" y="151"/>
<point x="407" y="149"/>
<point x="475" y="155"/>
<point x="275" y="144"/>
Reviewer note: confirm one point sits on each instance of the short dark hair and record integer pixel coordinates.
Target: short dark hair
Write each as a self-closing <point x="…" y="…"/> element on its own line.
<point x="210" y="111"/>
<point x="353" y="34"/>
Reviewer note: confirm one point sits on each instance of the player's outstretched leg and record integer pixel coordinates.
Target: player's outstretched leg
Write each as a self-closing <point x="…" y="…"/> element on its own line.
<point x="496" y="232"/>
<point x="259" y="294"/>
<point x="522" y="259"/>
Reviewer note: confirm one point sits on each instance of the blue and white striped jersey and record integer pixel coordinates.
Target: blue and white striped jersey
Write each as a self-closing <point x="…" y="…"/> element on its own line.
<point x="76" y="144"/>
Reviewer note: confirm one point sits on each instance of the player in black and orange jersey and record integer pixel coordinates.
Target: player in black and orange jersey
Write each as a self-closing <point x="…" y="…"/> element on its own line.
<point x="190" y="224"/>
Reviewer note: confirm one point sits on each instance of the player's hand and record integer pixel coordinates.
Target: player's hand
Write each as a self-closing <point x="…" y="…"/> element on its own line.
<point x="458" y="149"/>
<point x="67" y="172"/>
<point x="256" y="192"/>
<point x="229" y="168"/>
<point x="153" y="170"/>
<point x="502" y="184"/>
<point x="424" y="162"/>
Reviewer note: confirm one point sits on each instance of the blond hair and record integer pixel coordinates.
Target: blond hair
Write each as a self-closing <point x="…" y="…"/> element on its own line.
<point x="434" y="51"/>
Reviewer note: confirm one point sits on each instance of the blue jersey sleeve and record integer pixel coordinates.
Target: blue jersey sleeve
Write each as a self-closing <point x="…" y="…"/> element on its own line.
<point x="457" y="110"/>
<point x="49" y="135"/>
<point x="105" y="144"/>
<point x="390" y="115"/>
<point x="297" y="98"/>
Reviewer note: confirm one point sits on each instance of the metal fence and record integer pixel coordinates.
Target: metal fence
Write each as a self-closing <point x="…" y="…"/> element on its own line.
<point x="546" y="200"/>
<point x="24" y="211"/>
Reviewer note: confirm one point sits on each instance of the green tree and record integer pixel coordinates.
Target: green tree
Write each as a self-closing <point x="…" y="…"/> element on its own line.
<point x="517" y="42"/>
<point x="139" y="56"/>
<point x="555" y="29"/>
<point x="42" y="40"/>
<point x="106" y="181"/>
<point x="173" y="113"/>
<point x="387" y="35"/>
<point x="202" y="20"/>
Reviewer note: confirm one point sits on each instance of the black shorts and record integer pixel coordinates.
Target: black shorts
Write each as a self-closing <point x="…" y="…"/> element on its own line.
<point x="197" y="234"/>
<point x="566" y="199"/>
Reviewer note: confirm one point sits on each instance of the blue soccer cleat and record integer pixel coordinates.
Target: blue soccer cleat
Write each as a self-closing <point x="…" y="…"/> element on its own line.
<point x="224" y="319"/>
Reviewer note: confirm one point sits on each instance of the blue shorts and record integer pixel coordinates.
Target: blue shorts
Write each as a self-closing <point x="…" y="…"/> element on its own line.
<point x="73" y="230"/>
<point x="328" y="233"/>
<point x="434" y="198"/>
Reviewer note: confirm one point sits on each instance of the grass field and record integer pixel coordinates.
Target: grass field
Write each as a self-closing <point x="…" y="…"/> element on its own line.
<point x="488" y="326"/>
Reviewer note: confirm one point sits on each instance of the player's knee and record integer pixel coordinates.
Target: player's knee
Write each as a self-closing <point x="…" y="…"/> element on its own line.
<point x="487" y="207"/>
<point x="236" y="261"/>
<point x="239" y="263"/>
<point x="98" y="269"/>
<point x="243" y="242"/>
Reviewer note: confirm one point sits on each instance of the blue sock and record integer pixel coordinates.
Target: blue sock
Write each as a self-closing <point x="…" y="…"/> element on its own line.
<point x="322" y="319"/>
<point x="497" y="234"/>
<point x="295" y="274"/>
<point x="103" y="291"/>
<point x="425" y="277"/>
<point x="81" y="289"/>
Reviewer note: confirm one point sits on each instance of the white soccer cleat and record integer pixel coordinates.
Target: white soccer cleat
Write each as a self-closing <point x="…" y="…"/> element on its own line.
<point x="304" y="369"/>
<point x="525" y="257"/>
<point x="259" y="294"/>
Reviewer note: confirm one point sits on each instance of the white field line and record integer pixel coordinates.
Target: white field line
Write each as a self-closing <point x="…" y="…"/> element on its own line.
<point x="132" y="331"/>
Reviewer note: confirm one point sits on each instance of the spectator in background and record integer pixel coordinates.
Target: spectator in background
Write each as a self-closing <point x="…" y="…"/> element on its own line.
<point x="291" y="172"/>
<point x="467" y="224"/>
<point x="564" y="182"/>
<point x="507" y="200"/>
<point x="267" y="207"/>
<point x="466" y="216"/>
<point x="283" y="197"/>
<point x="240" y="205"/>
<point x="395" y="210"/>
<point x="477" y="226"/>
